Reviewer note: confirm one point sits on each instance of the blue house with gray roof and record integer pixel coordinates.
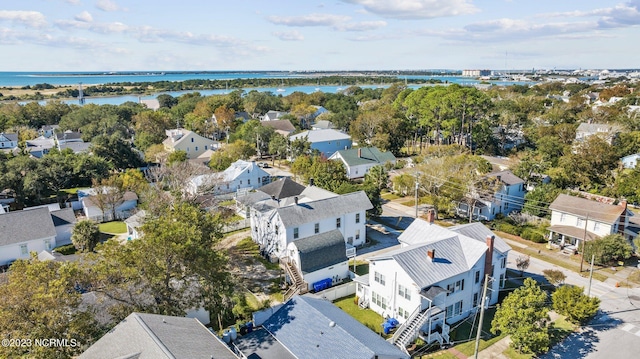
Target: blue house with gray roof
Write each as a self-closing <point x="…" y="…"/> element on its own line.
<point x="326" y="141"/>
<point x="306" y="327"/>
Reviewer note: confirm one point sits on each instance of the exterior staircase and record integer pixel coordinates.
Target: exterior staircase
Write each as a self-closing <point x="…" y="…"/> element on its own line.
<point x="410" y="329"/>
<point x="298" y="285"/>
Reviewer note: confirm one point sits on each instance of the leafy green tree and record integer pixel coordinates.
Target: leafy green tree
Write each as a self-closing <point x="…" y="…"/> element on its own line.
<point x="607" y="249"/>
<point x="327" y="174"/>
<point x="571" y="302"/>
<point x="278" y="146"/>
<point x="174" y="267"/>
<point x="167" y="101"/>
<point x="238" y="150"/>
<point x="554" y="276"/>
<point x="536" y="202"/>
<point x="85" y="235"/>
<point x="116" y="151"/>
<point x="150" y="127"/>
<point x="523" y="316"/>
<point x="177" y="156"/>
<point x="41" y="300"/>
<point x="377" y="177"/>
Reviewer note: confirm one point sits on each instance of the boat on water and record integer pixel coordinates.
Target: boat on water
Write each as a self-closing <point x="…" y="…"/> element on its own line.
<point x="281" y="88"/>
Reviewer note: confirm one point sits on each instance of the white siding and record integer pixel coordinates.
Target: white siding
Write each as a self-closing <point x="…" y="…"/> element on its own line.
<point x="11" y="252"/>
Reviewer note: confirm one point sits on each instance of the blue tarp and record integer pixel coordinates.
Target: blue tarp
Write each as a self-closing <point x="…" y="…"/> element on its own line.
<point x="322" y="284"/>
<point x="389" y="325"/>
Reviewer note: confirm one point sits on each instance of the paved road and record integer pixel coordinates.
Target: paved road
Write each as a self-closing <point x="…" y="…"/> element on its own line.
<point x="613" y="333"/>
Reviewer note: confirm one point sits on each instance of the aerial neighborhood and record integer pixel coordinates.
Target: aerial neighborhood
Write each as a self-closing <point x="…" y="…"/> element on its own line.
<point x="395" y="221"/>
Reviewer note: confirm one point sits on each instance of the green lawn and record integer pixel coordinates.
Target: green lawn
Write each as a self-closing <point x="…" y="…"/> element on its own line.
<point x="389" y="196"/>
<point x="467" y="331"/>
<point x="115" y="227"/>
<point x="247" y="247"/>
<point x="367" y="317"/>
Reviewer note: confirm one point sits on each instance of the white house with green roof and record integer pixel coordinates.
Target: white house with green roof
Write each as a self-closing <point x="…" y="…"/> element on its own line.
<point x="358" y="161"/>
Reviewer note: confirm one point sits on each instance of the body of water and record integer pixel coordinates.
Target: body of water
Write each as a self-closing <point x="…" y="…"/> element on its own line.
<point x="20" y="79"/>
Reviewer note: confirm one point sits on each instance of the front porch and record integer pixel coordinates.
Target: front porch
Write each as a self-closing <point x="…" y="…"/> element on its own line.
<point x="568" y="239"/>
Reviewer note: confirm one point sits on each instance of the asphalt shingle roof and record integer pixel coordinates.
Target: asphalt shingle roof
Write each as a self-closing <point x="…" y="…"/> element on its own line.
<point x="321" y="250"/>
<point x="368" y="155"/>
<point x="329" y="207"/>
<point x="602" y="212"/>
<point x="315" y="328"/>
<point x="282" y="188"/>
<point x="158" y="336"/>
<point x="63" y="216"/>
<point x="507" y="177"/>
<point x="22" y="226"/>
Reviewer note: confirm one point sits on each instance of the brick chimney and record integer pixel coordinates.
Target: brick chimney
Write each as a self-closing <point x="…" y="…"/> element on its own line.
<point x="488" y="258"/>
<point x="359" y="152"/>
<point x="431" y="253"/>
<point x="431" y="216"/>
<point x="623" y="217"/>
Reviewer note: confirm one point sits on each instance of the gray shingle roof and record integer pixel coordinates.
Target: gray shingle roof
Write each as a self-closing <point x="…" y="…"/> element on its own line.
<point x="606" y="213"/>
<point x="306" y="212"/>
<point x="22" y="226"/>
<point x="281" y="125"/>
<point x="8" y="137"/>
<point x="158" y="336"/>
<point x="321" y="250"/>
<point x="63" y="216"/>
<point x="304" y="326"/>
<point x="282" y="188"/>
<point x="368" y="155"/>
<point x="507" y="177"/>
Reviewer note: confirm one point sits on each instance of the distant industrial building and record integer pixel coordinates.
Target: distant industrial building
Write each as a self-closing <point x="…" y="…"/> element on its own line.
<point x="476" y="73"/>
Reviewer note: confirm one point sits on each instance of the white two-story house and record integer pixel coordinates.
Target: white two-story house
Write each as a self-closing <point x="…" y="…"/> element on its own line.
<point x="188" y="141"/>
<point x="434" y="279"/>
<point x="295" y="213"/>
<point x="240" y="175"/>
<point x="574" y="219"/>
<point x="508" y="197"/>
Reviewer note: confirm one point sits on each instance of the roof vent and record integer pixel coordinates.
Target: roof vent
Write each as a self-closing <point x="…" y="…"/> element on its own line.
<point x="332" y="324"/>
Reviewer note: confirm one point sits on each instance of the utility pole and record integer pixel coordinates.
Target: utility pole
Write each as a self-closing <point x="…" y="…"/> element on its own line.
<point x="484" y="296"/>
<point x="584" y="241"/>
<point x="593" y="257"/>
<point x="417" y="196"/>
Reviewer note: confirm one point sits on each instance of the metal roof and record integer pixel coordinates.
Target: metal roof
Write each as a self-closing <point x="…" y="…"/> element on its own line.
<point x="455" y="252"/>
<point x="321" y="135"/>
<point x="480" y="232"/>
<point x="364" y="155"/>
<point x="310" y="211"/>
<point x="321" y="250"/>
<point x="23" y="226"/>
<point x="582" y="207"/>
<point x="315" y="328"/>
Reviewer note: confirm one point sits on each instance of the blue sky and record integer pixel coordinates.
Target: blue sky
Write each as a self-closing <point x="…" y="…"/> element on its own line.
<point x="119" y="35"/>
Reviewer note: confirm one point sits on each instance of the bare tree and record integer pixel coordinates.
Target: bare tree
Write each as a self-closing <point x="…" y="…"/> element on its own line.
<point x="522" y="263"/>
<point x="109" y="194"/>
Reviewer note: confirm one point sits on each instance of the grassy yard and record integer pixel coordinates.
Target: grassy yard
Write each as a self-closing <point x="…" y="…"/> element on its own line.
<point x="466" y="332"/>
<point x="560" y="330"/>
<point x="367" y="317"/>
<point x="229" y="202"/>
<point x="248" y="247"/>
<point x="115" y="227"/>
<point x="389" y="196"/>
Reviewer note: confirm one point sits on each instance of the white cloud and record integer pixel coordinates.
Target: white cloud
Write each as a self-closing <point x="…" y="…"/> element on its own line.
<point x="84" y="16"/>
<point x="73" y="2"/>
<point x="360" y="26"/>
<point x="100" y="28"/>
<point x="107" y="5"/>
<point x="416" y="9"/>
<point x="28" y="18"/>
<point x="289" y="35"/>
<point x="621" y="15"/>
<point x="309" y="20"/>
